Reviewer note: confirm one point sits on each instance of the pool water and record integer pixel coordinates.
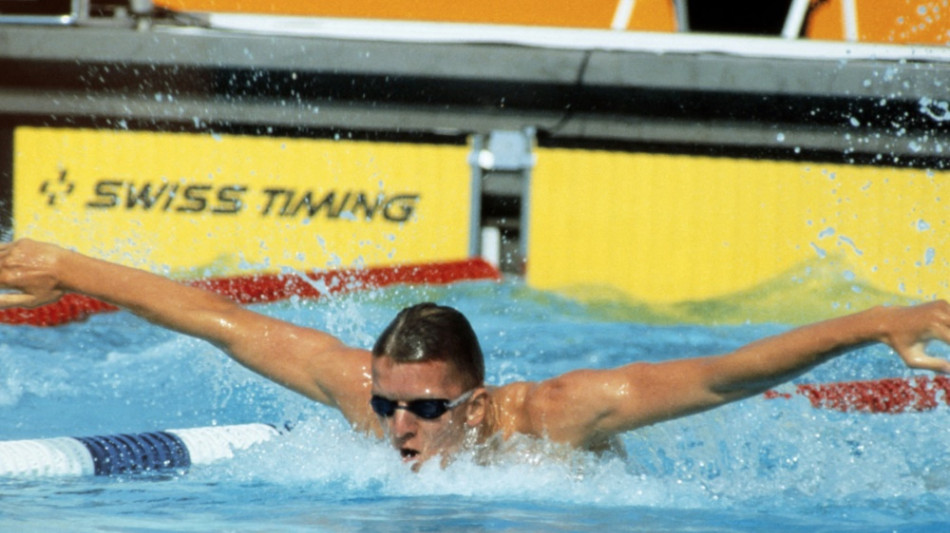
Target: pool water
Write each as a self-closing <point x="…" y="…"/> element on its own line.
<point x="757" y="465"/>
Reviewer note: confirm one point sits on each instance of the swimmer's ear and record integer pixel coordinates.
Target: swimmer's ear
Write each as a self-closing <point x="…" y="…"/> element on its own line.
<point x="477" y="407"/>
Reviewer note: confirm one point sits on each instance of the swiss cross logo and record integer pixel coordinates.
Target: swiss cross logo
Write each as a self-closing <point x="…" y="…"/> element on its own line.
<point x="58" y="189"/>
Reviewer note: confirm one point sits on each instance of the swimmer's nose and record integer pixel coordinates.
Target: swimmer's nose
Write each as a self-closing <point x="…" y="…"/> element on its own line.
<point x="404" y="423"/>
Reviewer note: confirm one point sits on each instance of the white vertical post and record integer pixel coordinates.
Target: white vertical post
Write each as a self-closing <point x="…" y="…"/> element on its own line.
<point x="491" y="245"/>
<point x="622" y="14"/>
<point x="849" y="16"/>
<point x="80" y="9"/>
<point x="795" y="19"/>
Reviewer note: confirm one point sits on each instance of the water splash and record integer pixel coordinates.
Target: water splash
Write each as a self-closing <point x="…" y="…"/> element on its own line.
<point x="810" y="291"/>
<point x="938" y="110"/>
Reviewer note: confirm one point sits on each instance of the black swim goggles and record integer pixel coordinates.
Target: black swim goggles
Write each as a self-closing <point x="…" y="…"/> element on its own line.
<point x="429" y="409"/>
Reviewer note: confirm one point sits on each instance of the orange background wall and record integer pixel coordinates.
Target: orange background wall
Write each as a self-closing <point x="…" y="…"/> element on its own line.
<point x="649" y="14"/>
<point x="888" y="21"/>
<point x="882" y="21"/>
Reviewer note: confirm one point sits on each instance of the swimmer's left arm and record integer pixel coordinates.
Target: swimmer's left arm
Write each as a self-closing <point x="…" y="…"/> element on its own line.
<point x="760" y="365"/>
<point x="604" y="402"/>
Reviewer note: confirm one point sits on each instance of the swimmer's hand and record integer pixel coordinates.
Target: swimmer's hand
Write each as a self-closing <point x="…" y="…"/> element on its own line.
<point x="907" y="330"/>
<point x="27" y="268"/>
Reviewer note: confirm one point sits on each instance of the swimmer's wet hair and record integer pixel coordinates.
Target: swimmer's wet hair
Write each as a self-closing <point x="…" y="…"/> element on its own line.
<point x="430" y="332"/>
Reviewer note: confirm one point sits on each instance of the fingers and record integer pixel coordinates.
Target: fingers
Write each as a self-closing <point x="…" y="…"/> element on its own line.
<point x="5" y="247"/>
<point x="912" y="327"/>
<point x="22" y="299"/>
<point x="940" y="331"/>
<point x="916" y="357"/>
<point x="17" y="300"/>
<point x="4" y="270"/>
<point x="939" y="311"/>
<point x="23" y="280"/>
<point x="927" y="362"/>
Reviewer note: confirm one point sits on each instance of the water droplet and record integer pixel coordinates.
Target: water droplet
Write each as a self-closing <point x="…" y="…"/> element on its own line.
<point x="846" y="240"/>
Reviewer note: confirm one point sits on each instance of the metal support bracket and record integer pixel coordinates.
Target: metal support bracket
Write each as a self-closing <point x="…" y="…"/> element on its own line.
<point x="501" y="163"/>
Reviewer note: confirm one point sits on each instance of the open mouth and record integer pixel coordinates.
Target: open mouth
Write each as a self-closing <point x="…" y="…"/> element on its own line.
<point x="408" y="453"/>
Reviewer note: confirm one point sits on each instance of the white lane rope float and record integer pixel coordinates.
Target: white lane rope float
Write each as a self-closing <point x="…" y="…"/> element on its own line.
<point x="128" y="453"/>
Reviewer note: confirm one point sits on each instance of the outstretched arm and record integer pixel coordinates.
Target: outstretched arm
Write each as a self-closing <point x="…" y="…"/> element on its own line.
<point x="308" y="361"/>
<point x="598" y="403"/>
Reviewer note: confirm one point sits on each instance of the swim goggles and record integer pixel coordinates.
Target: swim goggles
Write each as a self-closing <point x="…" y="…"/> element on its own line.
<point x="429" y="409"/>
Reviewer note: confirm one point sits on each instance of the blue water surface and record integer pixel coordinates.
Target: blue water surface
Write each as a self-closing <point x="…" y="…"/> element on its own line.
<point x="757" y="465"/>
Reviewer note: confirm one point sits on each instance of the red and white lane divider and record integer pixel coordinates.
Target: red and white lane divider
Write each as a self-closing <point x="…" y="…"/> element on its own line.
<point x="890" y="395"/>
<point x="264" y="288"/>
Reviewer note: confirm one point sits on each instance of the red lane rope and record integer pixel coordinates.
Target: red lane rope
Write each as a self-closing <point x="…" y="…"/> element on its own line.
<point x="69" y="308"/>
<point x="263" y="288"/>
<point x="890" y="395"/>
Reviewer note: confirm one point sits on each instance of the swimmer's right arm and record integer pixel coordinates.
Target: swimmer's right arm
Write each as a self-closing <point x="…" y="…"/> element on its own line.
<point x="311" y="362"/>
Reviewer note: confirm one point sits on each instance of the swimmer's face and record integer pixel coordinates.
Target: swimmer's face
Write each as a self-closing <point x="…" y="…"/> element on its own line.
<point x="417" y="438"/>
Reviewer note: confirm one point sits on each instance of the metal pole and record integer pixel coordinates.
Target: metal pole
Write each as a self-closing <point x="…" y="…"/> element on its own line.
<point x="475" y="203"/>
<point x="682" y="15"/>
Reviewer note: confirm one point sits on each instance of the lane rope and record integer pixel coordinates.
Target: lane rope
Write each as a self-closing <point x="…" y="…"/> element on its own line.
<point x="885" y="396"/>
<point x="108" y="455"/>
<point x="265" y="288"/>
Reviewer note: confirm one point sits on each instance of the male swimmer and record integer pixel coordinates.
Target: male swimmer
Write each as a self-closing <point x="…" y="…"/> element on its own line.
<point x="422" y="385"/>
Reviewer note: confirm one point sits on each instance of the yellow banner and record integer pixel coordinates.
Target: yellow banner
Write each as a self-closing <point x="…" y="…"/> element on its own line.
<point x="668" y="228"/>
<point x="219" y="204"/>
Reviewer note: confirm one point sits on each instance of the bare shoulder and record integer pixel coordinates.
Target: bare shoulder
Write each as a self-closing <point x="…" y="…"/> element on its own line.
<point x="343" y="372"/>
<point x="566" y="408"/>
<point x="508" y="407"/>
<point x="342" y="378"/>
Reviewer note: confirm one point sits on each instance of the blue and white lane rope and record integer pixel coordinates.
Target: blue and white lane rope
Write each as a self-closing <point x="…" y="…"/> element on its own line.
<point x="128" y="453"/>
